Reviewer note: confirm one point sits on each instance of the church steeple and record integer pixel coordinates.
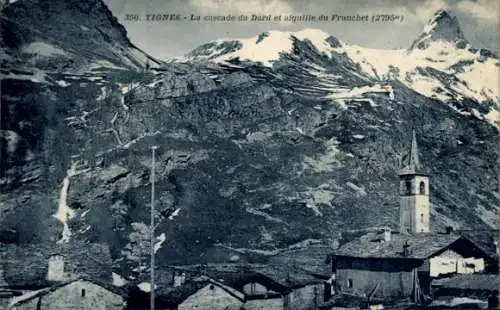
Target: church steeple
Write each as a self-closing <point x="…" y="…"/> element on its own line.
<point x="411" y="161"/>
<point x="414" y="160"/>
<point x="414" y="193"/>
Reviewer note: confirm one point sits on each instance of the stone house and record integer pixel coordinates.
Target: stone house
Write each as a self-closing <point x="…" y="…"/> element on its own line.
<point x="259" y="286"/>
<point x="213" y="295"/>
<point x="31" y="267"/>
<point x="281" y="287"/>
<point x="404" y="265"/>
<point x="196" y="293"/>
<point x="34" y="266"/>
<point x="77" y="294"/>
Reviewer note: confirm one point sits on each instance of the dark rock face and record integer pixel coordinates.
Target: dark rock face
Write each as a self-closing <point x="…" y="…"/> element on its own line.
<point x="40" y="34"/>
<point x="249" y="156"/>
<point x="220" y="48"/>
<point x="333" y="41"/>
<point x="443" y="27"/>
<point x="262" y="36"/>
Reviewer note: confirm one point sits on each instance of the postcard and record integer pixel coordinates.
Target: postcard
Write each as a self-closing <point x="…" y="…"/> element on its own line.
<point x="260" y="154"/>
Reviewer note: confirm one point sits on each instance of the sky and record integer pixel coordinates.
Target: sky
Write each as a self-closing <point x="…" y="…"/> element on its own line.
<point x="165" y="39"/>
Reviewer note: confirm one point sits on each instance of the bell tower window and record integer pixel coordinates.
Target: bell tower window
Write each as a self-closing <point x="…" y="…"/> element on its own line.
<point x="408" y="187"/>
<point x="422" y="188"/>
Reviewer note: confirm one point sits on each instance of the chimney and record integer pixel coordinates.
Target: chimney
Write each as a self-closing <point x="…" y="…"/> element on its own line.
<point x="179" y="278"/>
<point x="56" y="270"/>
<point x="449" y="229"/>
<point x="406" y="250"/>
<point x="387" y="234"/>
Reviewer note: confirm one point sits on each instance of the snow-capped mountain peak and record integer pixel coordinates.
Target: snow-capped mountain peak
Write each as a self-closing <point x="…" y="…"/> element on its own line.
<point x="265" y="47"/>
<point x="440" y="64"/>
<point x="441" y="27"/>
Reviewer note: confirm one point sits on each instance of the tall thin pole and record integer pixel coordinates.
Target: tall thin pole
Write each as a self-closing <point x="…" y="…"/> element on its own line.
<point x="152" y="228"/>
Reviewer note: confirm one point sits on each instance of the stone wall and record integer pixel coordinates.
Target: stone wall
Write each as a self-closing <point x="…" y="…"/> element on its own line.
<point x="264" y="304"/>
<point x="305" y="298"/>
<point x="211" y="297"/>
<point x="78" y="295"/>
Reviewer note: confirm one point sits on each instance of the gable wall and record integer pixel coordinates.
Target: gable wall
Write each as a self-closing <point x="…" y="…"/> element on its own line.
<point x="70" y="297"/>
<point x="210" y="298"/>
<point x="255" y="288"/>
<point x="394" y="277"/>
<point x="450" y="262"/>
<point x="307" y="297"/>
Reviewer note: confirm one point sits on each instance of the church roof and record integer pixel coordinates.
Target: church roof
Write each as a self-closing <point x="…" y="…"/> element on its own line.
<point x="411" y="161"/>
<point x="419" y="246"/>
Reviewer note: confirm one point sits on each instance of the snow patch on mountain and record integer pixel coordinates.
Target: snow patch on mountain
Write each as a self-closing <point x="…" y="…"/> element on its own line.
<point x="444" y="67"/>
<point x="359" y="92"/>
<point x="159" y="241"/>
<point x="268" y="217"/>
<point x="174" y="214"/>
<point x="118" y="280"/>
<point x="43" y="49"/>
<point x="267" y="49"/>
<point x="36" y="76"/>
<point x="460" y="73"/>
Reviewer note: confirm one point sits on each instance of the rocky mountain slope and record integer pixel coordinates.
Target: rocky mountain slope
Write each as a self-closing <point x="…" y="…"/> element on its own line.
<point x="256" y="151"/>
<point x="39" y="35"/>
<point x="440" y="63"/>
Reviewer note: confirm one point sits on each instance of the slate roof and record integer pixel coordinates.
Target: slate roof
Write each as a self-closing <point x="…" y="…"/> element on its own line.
<point x="232" y="278"/>
<point x="26" y="265"/>
<point x="411" y="161"/>
<point x="420" y="246"/>
<point x="280" y="278"/>
<point x="486" y="282"/>
<point x="288" y="277"/>
<point x="177" y="295"/>
<point x="34" y="294"/>
<point x="483" y="239"/>
<point x="315" y="258"/>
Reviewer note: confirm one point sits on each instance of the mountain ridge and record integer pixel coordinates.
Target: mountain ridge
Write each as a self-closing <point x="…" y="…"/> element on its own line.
<point x="446" y="68"/>
<point x="92" y="32"/>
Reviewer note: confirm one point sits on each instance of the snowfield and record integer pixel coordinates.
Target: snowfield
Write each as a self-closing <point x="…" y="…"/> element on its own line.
<point x="444" y="70"/>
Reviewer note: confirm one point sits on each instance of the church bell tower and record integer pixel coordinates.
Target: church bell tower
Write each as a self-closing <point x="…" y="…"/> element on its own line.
<point x="414" y="207"/>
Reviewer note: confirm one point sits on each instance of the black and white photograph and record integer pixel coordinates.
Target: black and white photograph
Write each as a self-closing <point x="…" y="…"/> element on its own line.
<point x="249" y="154"/>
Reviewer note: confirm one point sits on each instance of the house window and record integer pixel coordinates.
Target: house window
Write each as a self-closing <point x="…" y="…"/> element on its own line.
<point x="252" y="288"/>
<point x="349" y="283"/>
<point x="83" y="292"/>
<point x="286" y="302"/>
<point x="422" y="188"/>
